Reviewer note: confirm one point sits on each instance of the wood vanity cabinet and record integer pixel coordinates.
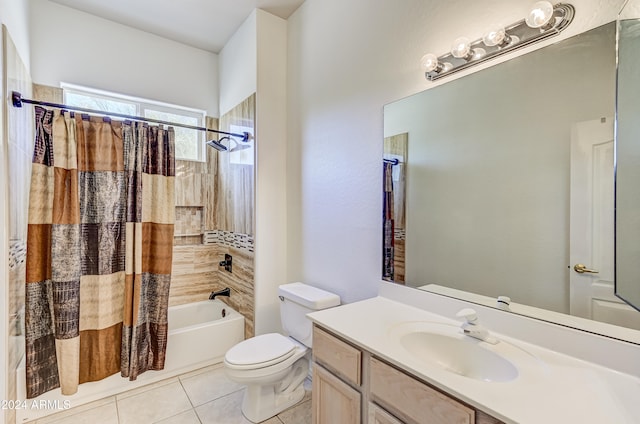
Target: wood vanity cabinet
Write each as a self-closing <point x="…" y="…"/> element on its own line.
<point x="350" y="386"/>
<point x="336" y="396"/>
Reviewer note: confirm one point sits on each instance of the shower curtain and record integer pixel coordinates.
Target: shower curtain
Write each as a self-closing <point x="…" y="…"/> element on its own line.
<point x="99" y="247"/>
<point x="387" y="219"/>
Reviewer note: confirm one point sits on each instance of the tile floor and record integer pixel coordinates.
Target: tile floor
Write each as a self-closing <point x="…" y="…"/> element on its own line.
<point x="204" y="396"/>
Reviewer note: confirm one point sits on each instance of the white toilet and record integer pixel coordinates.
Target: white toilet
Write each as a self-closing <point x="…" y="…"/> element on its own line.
<point x="274" y="366"/>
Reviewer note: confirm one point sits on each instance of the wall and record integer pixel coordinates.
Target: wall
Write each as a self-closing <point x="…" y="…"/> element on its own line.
<point x="17" y="138"/>
<point x="14" y="15"/>
<point x="255" y="59"/>
<point x="4" y="263"/>
<point x="339" y="81"/>
<point x="271" y="172"/>
<point x="66" y="46"/>
<point x="238" y="65"/>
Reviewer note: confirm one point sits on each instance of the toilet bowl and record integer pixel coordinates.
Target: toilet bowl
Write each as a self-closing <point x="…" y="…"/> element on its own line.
<point x="274" y="366"/>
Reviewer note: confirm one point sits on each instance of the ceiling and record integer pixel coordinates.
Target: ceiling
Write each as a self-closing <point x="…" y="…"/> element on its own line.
<point x="205" y="24"/>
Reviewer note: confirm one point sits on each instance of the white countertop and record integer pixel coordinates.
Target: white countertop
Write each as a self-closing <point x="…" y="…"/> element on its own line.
<point x="554" y="388"/>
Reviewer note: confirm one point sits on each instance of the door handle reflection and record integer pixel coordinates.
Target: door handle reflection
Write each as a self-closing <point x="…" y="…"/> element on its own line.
<point x="581" y="269"/>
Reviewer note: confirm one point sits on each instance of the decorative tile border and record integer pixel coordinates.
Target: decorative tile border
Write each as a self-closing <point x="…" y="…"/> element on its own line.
<point x="229" y="238"/>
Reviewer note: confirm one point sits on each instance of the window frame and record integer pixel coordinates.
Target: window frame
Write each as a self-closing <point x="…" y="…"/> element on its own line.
<point x="142" y="105"/>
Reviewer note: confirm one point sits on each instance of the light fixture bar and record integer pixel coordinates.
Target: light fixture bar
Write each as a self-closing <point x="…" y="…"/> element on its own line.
<point x="520" y="33"/>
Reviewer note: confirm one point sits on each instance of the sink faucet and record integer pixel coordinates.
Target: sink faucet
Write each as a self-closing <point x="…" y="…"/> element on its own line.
<point x="472" y="328"/>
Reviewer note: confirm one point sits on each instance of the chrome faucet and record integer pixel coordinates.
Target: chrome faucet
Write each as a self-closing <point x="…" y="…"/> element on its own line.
<point x="472" y="328"/>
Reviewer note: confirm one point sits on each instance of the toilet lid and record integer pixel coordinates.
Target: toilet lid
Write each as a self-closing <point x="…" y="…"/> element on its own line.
<point x="272" y="347"/>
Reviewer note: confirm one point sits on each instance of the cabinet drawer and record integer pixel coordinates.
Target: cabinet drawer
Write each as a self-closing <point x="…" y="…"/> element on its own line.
<point x="413" y="401"/>
<point x="337" y="355"/>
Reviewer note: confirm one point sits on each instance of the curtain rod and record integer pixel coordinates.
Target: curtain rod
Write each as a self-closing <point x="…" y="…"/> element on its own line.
<point x="17" y="101"/>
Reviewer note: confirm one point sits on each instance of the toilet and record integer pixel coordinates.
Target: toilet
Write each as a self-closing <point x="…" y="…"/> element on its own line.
<point x="274" y="366"/>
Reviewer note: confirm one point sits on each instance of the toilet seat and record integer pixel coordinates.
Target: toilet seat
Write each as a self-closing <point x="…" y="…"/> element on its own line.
<point x="260" y="352"/>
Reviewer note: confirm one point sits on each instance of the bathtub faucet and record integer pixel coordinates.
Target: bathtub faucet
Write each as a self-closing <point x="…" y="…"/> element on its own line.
<point x="223" y="292"/>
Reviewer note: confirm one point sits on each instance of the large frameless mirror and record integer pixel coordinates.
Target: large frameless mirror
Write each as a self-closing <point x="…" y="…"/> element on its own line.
<point x="507" y="186"/>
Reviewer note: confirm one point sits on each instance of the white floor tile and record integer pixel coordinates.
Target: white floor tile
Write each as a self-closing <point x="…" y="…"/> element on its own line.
<point x="217" y="400"/>
<point x="76" y="410"/>
<point x="201" y="371"/>
<point x="187" y="417"/>
<point x="208" y="386"/>
<point x="145" y="388"/>
<point x="225" y="410"/>
<point x="299" y="414"/>
<point x="153" y="405"/>
<point x="105" y="414"/>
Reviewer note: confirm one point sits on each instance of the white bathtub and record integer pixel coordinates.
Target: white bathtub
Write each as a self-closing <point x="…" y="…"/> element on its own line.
<point x="199" y="335"/>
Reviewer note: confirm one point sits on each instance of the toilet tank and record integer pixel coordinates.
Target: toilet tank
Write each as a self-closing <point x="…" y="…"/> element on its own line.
<point x="297" y="300"/>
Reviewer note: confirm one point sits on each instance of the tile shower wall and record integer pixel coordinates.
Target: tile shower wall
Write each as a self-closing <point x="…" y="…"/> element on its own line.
<point x="195" y="274"/>
<point x="216" y="196"/>
<point x="18" y="134"/>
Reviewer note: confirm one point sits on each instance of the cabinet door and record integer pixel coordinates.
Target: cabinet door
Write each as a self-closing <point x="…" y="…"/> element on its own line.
<point x="378" y="415"/>
<point x="333" y="400"/>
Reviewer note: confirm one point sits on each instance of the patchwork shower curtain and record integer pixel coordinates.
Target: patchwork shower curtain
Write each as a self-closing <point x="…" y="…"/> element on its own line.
<point x="99" y="249"/>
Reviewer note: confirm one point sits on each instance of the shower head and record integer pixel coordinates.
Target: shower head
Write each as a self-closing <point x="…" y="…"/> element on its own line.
<point x="217" y="145"/>
<point x="239" y="146"/>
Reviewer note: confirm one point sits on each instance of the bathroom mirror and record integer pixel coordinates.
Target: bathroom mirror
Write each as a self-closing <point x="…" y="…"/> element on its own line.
<point x="627" y="282"/>
<point x="509" y="185"/>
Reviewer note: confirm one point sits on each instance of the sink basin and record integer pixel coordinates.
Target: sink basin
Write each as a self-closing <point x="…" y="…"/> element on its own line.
<point x="445" y="346"/>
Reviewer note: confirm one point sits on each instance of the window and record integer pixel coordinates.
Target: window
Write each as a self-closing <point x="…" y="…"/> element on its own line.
<point x="242" y="156"/>
<point x="189" y="143"/>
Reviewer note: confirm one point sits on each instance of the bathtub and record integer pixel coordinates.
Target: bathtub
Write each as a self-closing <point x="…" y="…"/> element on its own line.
<point x="199" y="335"/>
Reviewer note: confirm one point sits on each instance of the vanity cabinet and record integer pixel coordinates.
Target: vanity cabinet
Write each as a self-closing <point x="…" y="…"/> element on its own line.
<point x="351" y="386"/>
<point x="336" y="394"/>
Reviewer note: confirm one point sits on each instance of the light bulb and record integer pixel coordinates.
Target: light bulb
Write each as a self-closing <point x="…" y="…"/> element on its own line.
<point x="494" y="37"/>
<point x="478" y="53"/>
<point x="540" y="14"/>
<point x="461" y="47"/>
<point x="429" y="62"/>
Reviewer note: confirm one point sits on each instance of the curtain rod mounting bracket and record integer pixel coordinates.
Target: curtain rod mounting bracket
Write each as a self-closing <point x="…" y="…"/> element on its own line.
<point x="16" y="99"/>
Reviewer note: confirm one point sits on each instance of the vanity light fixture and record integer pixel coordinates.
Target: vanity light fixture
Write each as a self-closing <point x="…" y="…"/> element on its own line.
<point x="544" y="20"/>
